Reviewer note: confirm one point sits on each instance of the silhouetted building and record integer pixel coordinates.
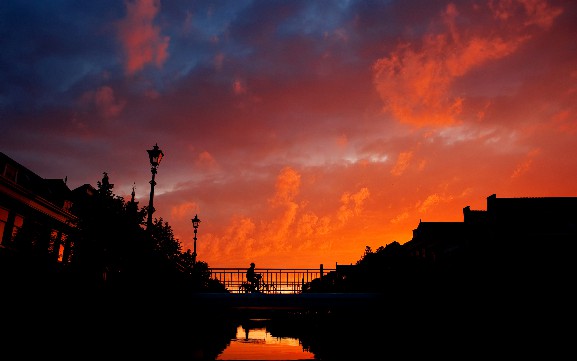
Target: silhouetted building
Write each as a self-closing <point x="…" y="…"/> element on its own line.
<point x="434" y="240"/>
<point x="515" y="238"/>
<point x="554" y="218"/>
<point x="35" y="217"/>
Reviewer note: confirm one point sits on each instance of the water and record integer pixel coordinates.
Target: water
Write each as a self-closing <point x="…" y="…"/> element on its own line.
<point x="254" y="342"/>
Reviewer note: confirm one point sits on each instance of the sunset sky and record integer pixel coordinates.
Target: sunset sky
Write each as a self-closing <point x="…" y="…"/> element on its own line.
<point x="300" y="132"/>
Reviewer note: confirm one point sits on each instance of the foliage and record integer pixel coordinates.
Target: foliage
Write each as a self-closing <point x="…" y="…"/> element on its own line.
<point x="164" y="241"/>
<point x="389" y="268"/>
<point x="113" y="249"/>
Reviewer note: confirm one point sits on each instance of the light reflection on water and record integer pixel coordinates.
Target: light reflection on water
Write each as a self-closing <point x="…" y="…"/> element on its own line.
<point x="256" y="343"/>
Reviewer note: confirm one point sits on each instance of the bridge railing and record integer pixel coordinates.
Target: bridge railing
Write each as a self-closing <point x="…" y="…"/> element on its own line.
<point x="274" y="280"/>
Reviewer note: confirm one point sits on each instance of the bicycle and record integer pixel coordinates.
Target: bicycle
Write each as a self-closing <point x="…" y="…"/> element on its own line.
<point x="260" y="287"/>
<point x="245" y="287"/>
<point x="248" y="287"/>
<point x="268" y="288"/>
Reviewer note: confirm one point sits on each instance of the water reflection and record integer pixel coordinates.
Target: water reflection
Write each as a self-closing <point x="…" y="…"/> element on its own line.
<point x="254" y="342"/>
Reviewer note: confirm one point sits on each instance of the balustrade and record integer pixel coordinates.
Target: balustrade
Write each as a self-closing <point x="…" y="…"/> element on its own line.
<point x="274" y="280"/>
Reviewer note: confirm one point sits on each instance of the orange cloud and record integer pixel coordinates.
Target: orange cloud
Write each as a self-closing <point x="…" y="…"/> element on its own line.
<point x="402" y="163"/>
<point x="401" y="217"/>
<point x="141" y="39"/>
<point x="287" y="186"/>
<point x="342" y="140"/>
<point x="182" y="211"/>
<point x="415" y="83"/>
<point x="312" y="225"/>
<point x="524" y="166"/>
<point x="431" y="201"/>
<point x="206" y="159"/>
<point x="537" y="12"/>
<point x="235" y="243"/>
<point x="352" y="204"/>
<point x="241" y="234"/>
<point x="285" y="222"/>
<point x="103" y="98"/>
<point x="564" y="122"/>
<point x="238" y="87"/>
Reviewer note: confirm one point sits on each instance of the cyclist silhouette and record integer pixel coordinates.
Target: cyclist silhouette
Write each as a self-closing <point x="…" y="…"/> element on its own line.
<point x="253" y="278"/>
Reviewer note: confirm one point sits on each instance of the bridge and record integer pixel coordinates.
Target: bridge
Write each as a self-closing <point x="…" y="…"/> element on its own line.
<point x="262" y="302"/>
<point x="282" y="291"/>
<point x="274" y="280"/>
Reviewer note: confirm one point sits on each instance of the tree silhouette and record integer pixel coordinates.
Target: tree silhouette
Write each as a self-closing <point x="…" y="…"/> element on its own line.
<point x="114" y="252"/>
<point x="164" y="241"/>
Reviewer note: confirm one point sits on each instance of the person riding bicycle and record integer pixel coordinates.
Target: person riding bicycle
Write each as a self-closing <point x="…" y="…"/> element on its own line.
<point x="253" y="278"/>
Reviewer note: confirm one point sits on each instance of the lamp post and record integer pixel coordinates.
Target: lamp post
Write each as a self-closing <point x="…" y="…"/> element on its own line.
<point x="155" y="156"/>
<point x="195" y="222"/>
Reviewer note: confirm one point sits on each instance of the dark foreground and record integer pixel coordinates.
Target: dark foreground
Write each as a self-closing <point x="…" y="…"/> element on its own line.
<point x="457" y="323"/>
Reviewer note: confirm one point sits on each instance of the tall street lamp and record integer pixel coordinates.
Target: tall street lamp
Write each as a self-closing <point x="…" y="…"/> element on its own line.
<point x="155" y="156"/>
<point x="195" y="222"/>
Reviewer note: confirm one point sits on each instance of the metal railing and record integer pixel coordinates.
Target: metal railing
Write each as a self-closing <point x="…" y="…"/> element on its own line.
<point x="274" y="280"/>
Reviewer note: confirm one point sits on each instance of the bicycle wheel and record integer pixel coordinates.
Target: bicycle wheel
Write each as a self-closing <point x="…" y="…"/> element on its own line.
<point x="244" y="288"/>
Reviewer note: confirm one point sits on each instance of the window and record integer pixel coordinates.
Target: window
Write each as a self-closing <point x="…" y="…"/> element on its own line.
<point x="10" y="172"/>
<point x="67" y="205"/>
<point x="3" y="220"/>
<point x="18" y="222"/>
<point x="53" y="242"/>
<point x="62" y="254"/>
<point x="68" y="251"/>
<point x="58" y="244"/>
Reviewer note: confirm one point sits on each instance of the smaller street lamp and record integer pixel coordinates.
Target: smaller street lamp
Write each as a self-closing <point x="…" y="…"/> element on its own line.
<point x="195" y="222"/>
